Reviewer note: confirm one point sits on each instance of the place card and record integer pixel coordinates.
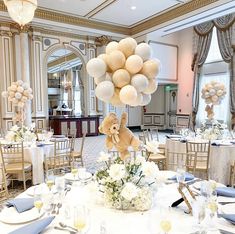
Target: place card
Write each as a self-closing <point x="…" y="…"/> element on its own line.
<point x="187" y="195"/>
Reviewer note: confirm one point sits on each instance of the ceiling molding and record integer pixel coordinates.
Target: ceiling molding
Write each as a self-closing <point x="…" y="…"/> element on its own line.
<point x="171" y="14"/>
<point x="179" y="11"/>
<point x="62" y="59"/>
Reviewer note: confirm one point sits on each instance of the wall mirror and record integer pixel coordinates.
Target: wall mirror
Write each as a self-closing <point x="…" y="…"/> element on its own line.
<point x="65" y="86"/>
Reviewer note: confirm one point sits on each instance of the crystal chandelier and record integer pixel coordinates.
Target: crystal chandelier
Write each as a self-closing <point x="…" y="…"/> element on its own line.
<point x="21" y="11"/>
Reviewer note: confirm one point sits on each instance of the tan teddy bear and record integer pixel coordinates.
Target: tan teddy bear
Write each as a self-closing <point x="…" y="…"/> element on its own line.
<point x="118" y="135"/>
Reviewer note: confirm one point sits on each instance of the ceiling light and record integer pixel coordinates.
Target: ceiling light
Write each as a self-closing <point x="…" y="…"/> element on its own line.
<point x="133" y="8"/>
<point x="21" y="11"/>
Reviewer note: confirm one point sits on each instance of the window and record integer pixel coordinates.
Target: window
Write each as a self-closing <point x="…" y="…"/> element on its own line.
<point x="214" y="69"/>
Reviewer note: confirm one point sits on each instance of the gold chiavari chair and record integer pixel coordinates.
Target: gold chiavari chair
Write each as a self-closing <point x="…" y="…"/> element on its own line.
<point x="14" y="162"/>
<point x="176" y="160"/>
<point x="78" y="155"/>
<point x="159" y="158"/>
<point x="232" y="175"/>
<point x="115" y="153"/>
<point x="62" y="160"/>
<point x="198" y="154"/>
<point x="3" y="184"/>
<point x="153" y="132"/>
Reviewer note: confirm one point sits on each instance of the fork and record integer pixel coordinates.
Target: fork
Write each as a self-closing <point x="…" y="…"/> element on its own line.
<point x="54" y="207"/>
<point x="59" y="205"/>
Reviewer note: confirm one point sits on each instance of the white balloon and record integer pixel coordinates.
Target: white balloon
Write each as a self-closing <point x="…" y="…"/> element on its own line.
<point x="140" y="82"/>
<point x="106" y="76"/>
<point x="19" y="82"/>
<point x="113" y="45"/>
<point x="96" y="67"/>
<point x="212" y="92"/>
<point x="20" y="89"/>
<point x="143" y="50"/>
<point x="18" y="95"/>
<point x="25" y="86"/>
<point x="5" y="94"/>
<point x="138" y="100"/>
<point x="152" y="87"/>
<point x="13" y="88"/>
<point x="146" y="99"/>
<point x="134" y="64"/>
<point x="128" y="94"/>
<point x="104" y="90"/>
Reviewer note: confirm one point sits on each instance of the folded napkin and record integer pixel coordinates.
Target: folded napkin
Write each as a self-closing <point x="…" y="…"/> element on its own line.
<point x="225" y="191"/>
<point x="21" y="204"/>
<point x="228" y="217"/>
<point x="35" y="227"/>
<point x="187" y="175"/>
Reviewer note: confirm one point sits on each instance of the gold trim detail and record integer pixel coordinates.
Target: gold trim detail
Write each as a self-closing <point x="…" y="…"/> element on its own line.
<point x="102" y="40"/>
<point x="58" y="61"/>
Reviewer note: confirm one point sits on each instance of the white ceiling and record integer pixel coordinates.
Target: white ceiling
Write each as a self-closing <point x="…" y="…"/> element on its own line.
<point x="117" y="12"/>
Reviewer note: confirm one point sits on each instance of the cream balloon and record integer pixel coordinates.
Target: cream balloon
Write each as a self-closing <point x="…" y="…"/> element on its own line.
<point x="106" y="76"/>
<point x="96" y="67"/>
<point x="140" y="82"/>
<point x="115" y="100"/>
<point x="19" y="82"/>
<point x="116" y="60"/>
<point x="134" y="64"/>
<point x="128" y="94"/>
<point x="143" y="50"/>
<point x="104" y="90"/>
<point x="146" y="99"/>
<point x="152" y="87"/>
<point x="138" y="100"/>
<point x="150" y="68"/>
<point x="121" y="77"/>
<point x="127" y="46"/>
<point x="112" y="46"/>
<point x="104" y="57"/>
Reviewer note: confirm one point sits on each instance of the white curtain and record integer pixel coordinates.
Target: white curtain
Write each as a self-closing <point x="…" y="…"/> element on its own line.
<point x="222" y="111"/>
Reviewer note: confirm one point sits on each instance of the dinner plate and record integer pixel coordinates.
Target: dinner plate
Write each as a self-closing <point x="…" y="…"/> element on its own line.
<point x="197" y="185"/>
<point x="70" y="177"/>
<point x="86" y="176"/>
<point x="11" y="216"/>
<point x="44" y="189"/>
<point x="228" y="208"/>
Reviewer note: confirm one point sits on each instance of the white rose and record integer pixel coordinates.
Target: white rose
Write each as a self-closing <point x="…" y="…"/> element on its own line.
<point x="129" y="191"/>
<point x="15" y="128"/>
<point x="117" y="171"/>
<point x="152" y="146"/>
<point x="104" y="157"/>
<point x="139" y="160"/>
<point x="150" y="169"/>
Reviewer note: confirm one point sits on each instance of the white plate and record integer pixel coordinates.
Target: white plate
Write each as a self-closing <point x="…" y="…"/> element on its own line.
<point x="228" y="208"/>
<point x="11" y="216"/>
<point x="45" y="189"/>
<point x="197" y="185"/>
<point x="70" y="177"/>
<point x="86" y="176"/>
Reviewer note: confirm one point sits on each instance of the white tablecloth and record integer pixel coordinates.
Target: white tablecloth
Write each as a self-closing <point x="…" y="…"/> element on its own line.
<point x="221" y="157"/>
<point x="35" y="155"/>
<point x="124" y="222"/>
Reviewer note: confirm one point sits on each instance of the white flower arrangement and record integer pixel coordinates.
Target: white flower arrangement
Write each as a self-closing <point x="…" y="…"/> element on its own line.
<point x="214" y="132"/>
<point x="128" y="184"/>
<point x="19" y="134"/>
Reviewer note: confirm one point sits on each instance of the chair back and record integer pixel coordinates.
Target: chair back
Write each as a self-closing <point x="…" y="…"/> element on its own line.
<point x="3" y="183"/>
<point x="62" y="160"/>
<point x="147" y="135"/>
<point x="198" y="155"/>
<point x="83" y="141"/>
<point x="12" y="153"/>
<point x="154" y="134"/>
<point x="175" y="160"/>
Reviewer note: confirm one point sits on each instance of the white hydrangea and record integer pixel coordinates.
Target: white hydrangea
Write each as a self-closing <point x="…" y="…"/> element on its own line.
<point x="139" y="160"/>
<point x="129" y="191"/>
<point x="150" y="169"/>
<point x="144" y="199"/>
<point x="117" y="171"/>
<point x="104" y="157"/>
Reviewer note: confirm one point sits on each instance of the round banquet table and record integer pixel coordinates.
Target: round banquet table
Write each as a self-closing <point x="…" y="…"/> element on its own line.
<point x="125" y="222"/>
<point x="221" y="157"/>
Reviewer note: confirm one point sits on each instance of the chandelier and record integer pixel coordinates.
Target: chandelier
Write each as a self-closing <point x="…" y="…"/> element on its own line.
<point x="21" y="11"/>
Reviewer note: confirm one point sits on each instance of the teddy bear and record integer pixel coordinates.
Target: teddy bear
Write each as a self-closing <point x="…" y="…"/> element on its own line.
<point x="210" y="111"/>
<point x="118" y="135"/>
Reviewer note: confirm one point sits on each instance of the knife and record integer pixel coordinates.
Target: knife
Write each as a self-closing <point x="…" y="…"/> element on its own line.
<point x="176" y="203"/>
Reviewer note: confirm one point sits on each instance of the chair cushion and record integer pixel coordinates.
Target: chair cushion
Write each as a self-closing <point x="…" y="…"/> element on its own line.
<point x="14" y="167"/>
<point x="157" y="157"/>
<point x="76" y="154"/>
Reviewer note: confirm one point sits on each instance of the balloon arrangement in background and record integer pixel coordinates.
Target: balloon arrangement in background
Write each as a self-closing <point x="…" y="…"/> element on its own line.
<point x="213" y="93"/>
<point x="19" y="93"/>
<point x="125" y="74"/>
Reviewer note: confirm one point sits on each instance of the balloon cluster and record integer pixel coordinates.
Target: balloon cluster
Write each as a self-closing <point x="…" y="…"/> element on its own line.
<point x="125" y="74"/>
<point x="18" y="93"/>
<point x="213" y="93"/>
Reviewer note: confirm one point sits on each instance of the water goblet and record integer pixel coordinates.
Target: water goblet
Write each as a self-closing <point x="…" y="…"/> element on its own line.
<point x="165" y="222"/>
<point x="50" y="179"/>
<point x="81" y="218"/>
<point x="59" y="184"/>
<point x="47" y="200"/>
<point x="38" y="203"/>
<point x="199" y="213"/>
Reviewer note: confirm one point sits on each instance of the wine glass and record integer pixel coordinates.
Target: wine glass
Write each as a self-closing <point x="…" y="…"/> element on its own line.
<point x="38" y="203"/>
<point x="180" y="175"/>
<point x="74" y="170"/>
<point x="199" y="213"/>
<point x="82" y="174"/>
<point x="165" y="222"/>
<point x="81" y="218"/>
<point x="47" y="200"/>
<point x="50" y="179"/>
<point x="212" y="207"/>
<point x="59" y="184"/>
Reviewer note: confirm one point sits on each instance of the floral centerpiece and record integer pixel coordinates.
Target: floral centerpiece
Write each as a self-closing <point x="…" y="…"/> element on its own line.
<point x="19" y="134"/>
<point x="214" y="132"/>
<point x="129" y="184"/>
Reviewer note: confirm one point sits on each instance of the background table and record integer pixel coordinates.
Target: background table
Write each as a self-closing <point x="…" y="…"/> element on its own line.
<point x="221" y="157"/>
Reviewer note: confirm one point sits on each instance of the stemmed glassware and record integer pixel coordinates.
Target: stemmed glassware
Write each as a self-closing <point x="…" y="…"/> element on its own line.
<point x="50" y="179"/>
<point x="38" y="203"/>
<point x="165" y="222"/>
<point x="180" y="175"/>
<point x="199" y="213"/>
<point x="59" y="185"/>
<point x="47" y="202"/>
<point x="81" y="218"/>
<point x="74" y="170"/>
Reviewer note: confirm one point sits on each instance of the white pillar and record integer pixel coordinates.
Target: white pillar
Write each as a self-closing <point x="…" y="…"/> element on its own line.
<point x="25" y="71"/>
